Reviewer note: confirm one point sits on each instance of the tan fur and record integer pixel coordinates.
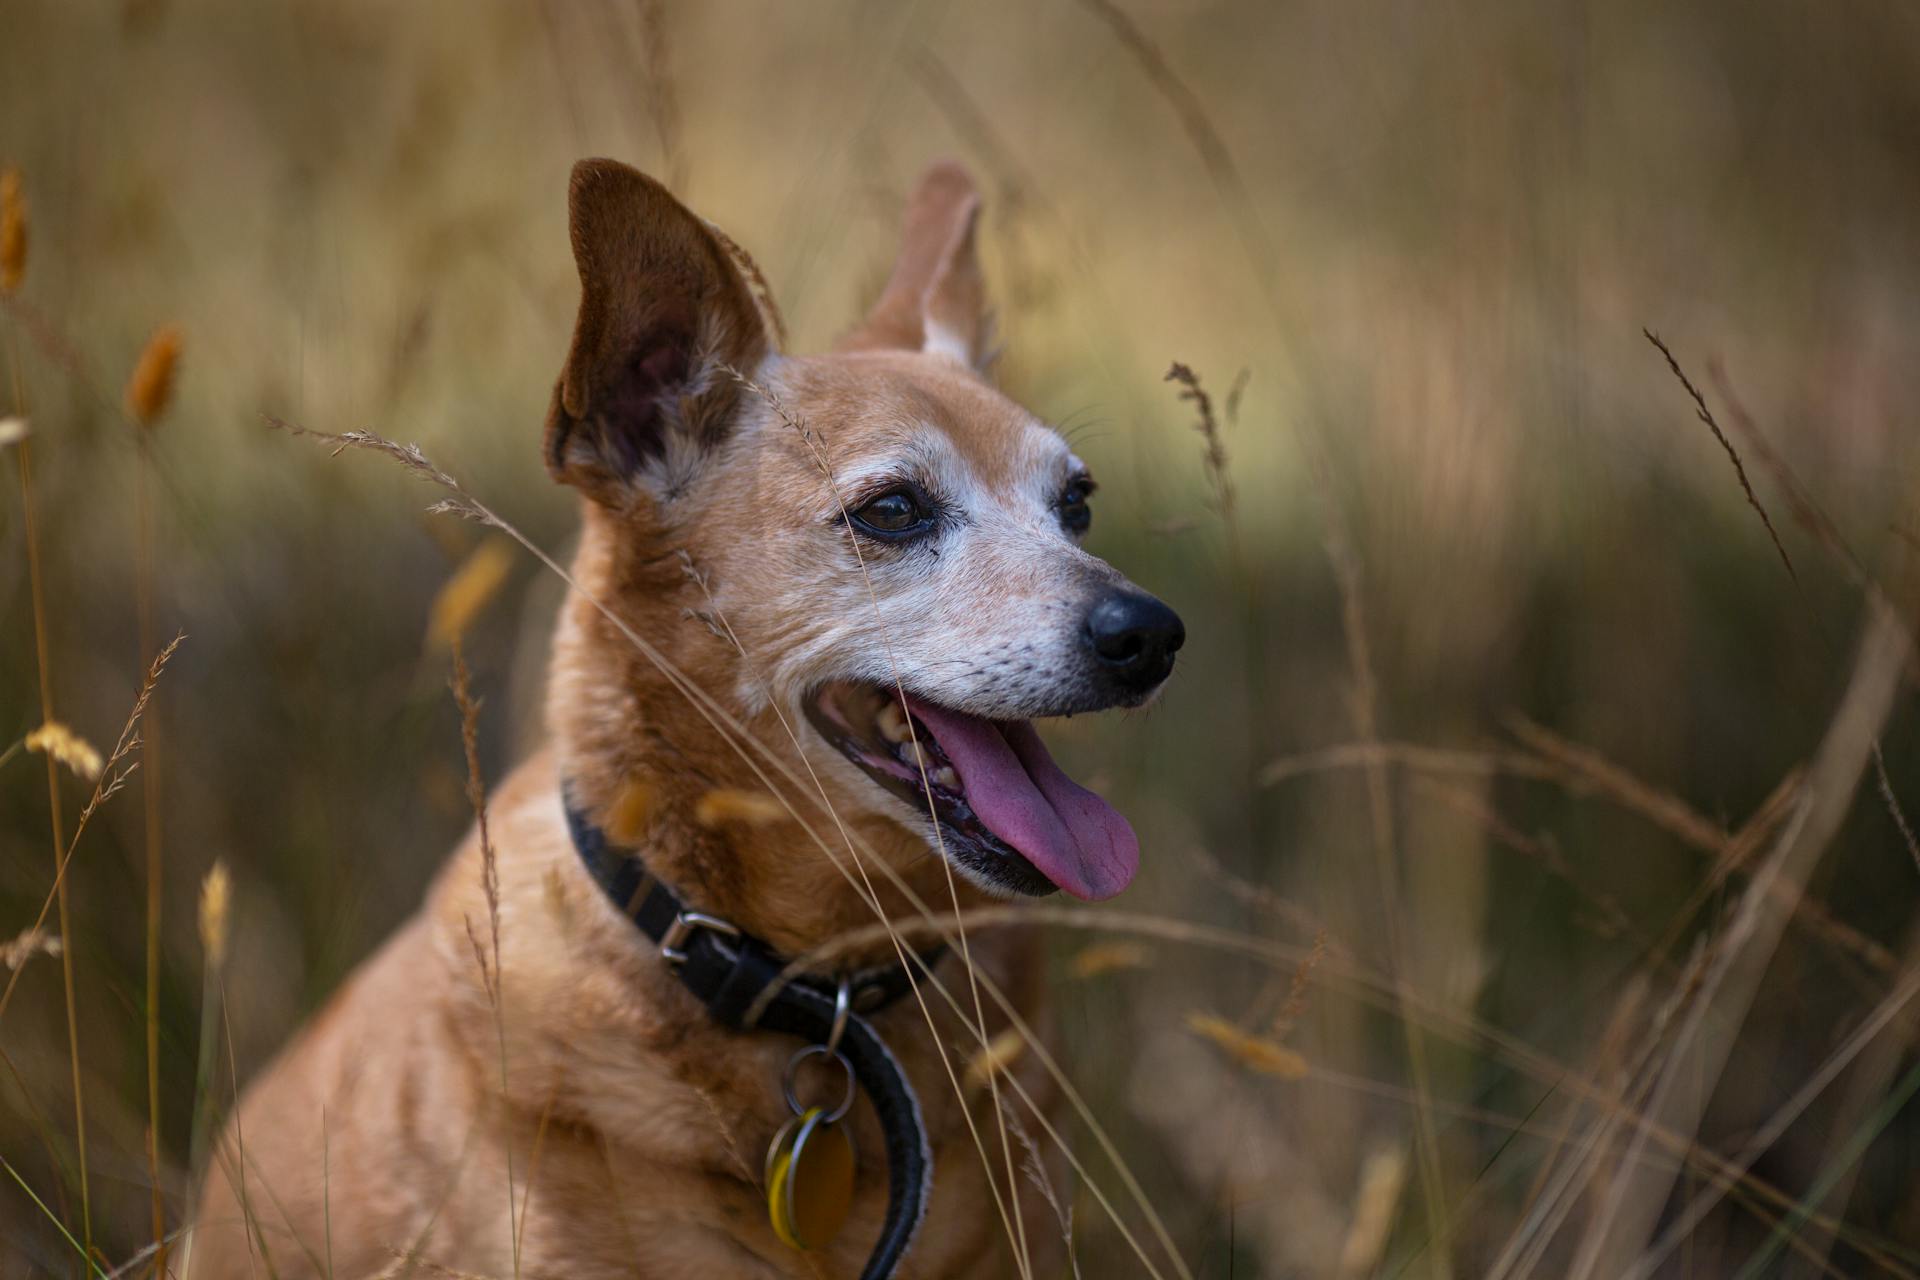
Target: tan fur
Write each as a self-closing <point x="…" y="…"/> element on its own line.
<point x="636" y="1126"/>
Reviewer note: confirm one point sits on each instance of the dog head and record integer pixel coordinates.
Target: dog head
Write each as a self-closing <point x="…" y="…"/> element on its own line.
<point x="873" y="544"/>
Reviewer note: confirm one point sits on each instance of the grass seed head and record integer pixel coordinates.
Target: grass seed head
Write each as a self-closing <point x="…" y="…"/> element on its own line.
<point x="1255" y="1052"/>
<point x="24" y="947"/>
<point x="996" y="1057"/>
<point x="725" y="805"/>
<point x="216" y="893"/>
<point x="13" y="430"/>
<point x="632" y="811"/>
<point x="468" y="592"/>
<point x="150" y="389"/>
<point x="1107" y="957"/>
<point x="13" y="232"/>
<point x="1382" y="1178"/>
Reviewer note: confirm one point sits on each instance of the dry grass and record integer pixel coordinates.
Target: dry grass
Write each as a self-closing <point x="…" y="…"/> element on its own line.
<point x="1616" y="983"/>
<point x="1739" y="469"/>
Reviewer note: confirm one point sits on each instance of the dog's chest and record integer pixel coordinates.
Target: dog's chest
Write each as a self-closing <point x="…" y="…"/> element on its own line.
<point x="668" y="1173"/>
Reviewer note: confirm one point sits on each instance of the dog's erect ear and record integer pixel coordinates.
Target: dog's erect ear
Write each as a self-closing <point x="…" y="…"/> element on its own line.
<point x="663" y="312"/>
<point x="935" y="300"/>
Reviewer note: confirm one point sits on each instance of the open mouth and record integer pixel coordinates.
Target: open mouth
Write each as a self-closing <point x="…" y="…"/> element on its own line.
<point x="1008" y="815"/>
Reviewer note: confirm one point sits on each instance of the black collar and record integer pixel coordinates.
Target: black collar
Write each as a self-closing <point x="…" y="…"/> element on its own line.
<point x="727" y="970"/>
<point x="730" y="972"/>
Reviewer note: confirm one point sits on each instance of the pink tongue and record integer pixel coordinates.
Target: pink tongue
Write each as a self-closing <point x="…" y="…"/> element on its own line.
<point x="1072" y="836"/>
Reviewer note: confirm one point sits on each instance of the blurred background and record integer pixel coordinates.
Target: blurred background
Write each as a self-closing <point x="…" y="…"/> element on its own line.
<point x="1497" y="686"/>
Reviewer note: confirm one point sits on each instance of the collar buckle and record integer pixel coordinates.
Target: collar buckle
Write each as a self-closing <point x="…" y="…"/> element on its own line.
<point x="673" y="942"/>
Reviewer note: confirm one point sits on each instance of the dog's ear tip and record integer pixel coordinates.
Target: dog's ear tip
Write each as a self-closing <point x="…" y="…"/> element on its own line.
<point x="596" y="172"/>
<point x="660" y="298"/>
<point x="599" y="184"/>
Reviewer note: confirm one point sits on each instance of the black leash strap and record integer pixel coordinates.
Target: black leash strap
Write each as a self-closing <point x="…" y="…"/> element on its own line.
<point x="728" y="971"/>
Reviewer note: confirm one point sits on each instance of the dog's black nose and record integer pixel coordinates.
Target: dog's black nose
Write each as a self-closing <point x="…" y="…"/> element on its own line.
<point x="1135" y="637"/>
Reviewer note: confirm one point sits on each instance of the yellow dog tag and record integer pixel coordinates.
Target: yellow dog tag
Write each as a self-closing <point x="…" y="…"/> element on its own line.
<point x="809" y="1180"/>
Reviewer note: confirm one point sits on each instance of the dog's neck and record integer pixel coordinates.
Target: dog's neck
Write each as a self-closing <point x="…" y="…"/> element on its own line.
<point x="644" y="759"/>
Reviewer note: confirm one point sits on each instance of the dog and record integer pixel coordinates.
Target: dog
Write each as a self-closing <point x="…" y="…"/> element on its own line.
<point x="869" y="563"/>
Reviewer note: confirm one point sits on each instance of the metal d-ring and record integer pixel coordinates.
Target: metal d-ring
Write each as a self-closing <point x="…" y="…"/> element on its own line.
<point x="842" y="1008"/>
<point x="805" y="1052"/>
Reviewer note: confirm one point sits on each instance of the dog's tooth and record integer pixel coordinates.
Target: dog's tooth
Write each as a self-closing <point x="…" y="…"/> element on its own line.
<point x="916" y="756"/>
<point x="945" y="777"/>
<point x="892" y="723"/>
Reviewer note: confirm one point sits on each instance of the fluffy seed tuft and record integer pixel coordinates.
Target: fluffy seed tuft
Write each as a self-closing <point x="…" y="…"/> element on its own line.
<point x="12" y="431"/>
<point x="69" y="748"/>
<point x="24" y="947"/>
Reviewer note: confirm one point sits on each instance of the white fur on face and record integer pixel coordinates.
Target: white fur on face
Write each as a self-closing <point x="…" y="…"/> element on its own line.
<point x="984" y="614"/>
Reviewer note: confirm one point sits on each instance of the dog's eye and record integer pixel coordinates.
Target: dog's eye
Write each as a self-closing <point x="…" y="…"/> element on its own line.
<point x="1075" y="514"/>
<point x="897" y="513"/>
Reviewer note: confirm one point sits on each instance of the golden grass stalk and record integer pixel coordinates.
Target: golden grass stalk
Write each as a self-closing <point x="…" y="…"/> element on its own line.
<point x="494" y="977"/>
<point x="13" y="232"/>
<point x="148" y="392"/>
<point x="150" y="388"/>
<point x="215" y="916"/>
<point x="215" y="908"/>
<point x="12" y="206"/>
<point x="69" y="748"/>
<point x="216" y="901"/>
<point x="1382" y="1177"/>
